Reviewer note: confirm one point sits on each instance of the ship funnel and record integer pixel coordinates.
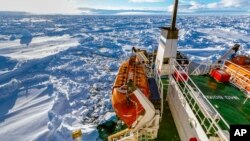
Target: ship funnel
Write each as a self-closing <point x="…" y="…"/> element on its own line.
<point x="175" y="7"/>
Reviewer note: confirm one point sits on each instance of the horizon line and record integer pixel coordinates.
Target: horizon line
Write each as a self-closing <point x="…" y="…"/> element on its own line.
<point x="139" y="12"/>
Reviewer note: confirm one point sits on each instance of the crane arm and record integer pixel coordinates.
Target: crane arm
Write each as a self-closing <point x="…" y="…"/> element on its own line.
<point x="234" y="49"/>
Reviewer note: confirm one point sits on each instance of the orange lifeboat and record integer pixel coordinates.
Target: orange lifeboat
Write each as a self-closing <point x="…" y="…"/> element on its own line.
<point x="126" y="105"/>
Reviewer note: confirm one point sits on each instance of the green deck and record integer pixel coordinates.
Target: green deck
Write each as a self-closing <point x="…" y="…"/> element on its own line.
<point x="227" y="99"/>
<point x="167" y="131"/>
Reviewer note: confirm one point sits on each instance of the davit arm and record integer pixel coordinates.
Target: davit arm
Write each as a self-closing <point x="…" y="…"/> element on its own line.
<point x="150" y="111"/>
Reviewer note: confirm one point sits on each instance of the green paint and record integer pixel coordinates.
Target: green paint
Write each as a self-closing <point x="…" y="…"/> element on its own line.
<point x="167" y="131"/>
<point x="226" y="98"/>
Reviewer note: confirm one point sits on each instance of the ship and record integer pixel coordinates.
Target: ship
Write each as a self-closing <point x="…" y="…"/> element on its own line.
<point x="164" y="95"/>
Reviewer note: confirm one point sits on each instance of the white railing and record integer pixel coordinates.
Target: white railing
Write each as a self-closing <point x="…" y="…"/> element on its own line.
<point x="205" y="66"/>
<point x="161" y="86"/>
<point x="199" y="67"/>
<point x="143" y="134"/>
<point x="196" y="67"/>
<point x="235" y="74"/>
<point x="238" y="79"/>
<point x="237" y="65"/>
<point x="196" y="98"/>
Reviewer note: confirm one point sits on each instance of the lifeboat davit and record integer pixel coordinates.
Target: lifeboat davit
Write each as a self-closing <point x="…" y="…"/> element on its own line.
<point x="126" y="105"/>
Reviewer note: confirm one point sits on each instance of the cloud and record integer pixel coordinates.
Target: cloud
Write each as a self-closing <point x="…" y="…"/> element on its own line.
<point x="72" y="6"/>
<point x="227" y="4"/>
<point x="39" y="6"/>
<point x="138" y="1"/>
<point x="234" y="3"/>
<point x="92" y="11"/>
<point x="195" y="5"/>
<point x="182" y="9"/>
<point x="170" y="8"/>
<point x="186" y="5"/>
<point x="212" y="5"/>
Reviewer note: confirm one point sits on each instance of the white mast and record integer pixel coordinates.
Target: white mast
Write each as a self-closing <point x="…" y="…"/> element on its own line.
<point x="167" y="48"/>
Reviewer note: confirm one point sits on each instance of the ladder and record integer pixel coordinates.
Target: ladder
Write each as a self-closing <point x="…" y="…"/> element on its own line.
<point x="144" y="134"/>
<point x="125" y="134"/>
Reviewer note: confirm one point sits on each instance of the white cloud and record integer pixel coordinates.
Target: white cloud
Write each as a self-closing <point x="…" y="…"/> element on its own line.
<point x="145" y="1"/>
<point x="228" y="4"/>
<point x="182" y="8"/>
<point x="170" y="8"/>
<point x="71" y="6"/>
<point x="222" y="4"/>
<point x="212" y="5"/>
<point x="39" y="6"/>
<point x="234" y="3"/>
<point x="195" y="5"/>
<point x="187" y="6"/>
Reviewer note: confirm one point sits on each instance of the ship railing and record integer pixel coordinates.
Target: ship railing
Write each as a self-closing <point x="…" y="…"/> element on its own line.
<point x="161" y="87"/>
<point x="209" y="118"/>
<point x="200" y="67"/>
<point x="127" y="134"/>
<point x="196" y="66"/>
<point x="243" y="80"/>
<point x="120" y="135"/>
<point x="205" y="66"/>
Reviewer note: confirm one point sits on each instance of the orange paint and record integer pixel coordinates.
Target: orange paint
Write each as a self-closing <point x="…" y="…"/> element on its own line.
<point x="241" y="66"/>
<point x="128" y="109"/>
<point x="241" y="60"/>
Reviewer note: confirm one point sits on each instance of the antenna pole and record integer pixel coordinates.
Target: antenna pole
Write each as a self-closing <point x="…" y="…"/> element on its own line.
<point x="174" y="14"/>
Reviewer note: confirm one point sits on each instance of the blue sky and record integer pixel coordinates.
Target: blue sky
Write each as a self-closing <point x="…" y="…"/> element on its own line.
<point x="77" y="6"/>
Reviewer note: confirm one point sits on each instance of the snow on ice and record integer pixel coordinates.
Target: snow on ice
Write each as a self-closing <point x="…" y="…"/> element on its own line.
<point x="60" y="77"/>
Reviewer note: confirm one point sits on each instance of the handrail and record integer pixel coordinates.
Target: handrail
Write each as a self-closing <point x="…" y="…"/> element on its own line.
<point x="200" y="104"/>
<point x="118" y="134"/>
<point x="238" y="66"/>
<point x="244" y="80"/>
<point x="197" y="88"/>
<point x="160" y="86"/>
<point x="195" y="92"/>
<point x="206" y="63"/>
